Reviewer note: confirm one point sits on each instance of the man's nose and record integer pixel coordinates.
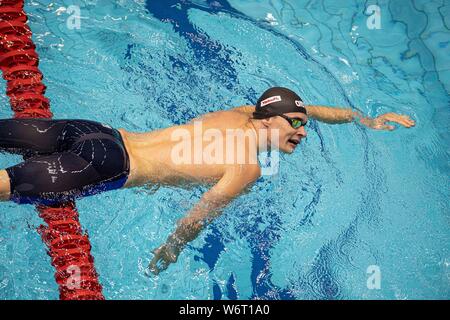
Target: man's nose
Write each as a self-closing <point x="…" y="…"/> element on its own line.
<point x="302" y="131"/>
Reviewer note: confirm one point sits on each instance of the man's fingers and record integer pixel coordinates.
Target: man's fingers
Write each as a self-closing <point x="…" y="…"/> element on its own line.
<point x="406" y="123"/>
<point x="409" y="122"/>
<point x="387" y="127"/>
<point x="150" y="272"/>
<point x="153" y="268"/>
<point x="159" y="262"/>
<point x="153" y="263"/>
<point x="164" y="265"/>
<point x="403" y="120"/>
<point x="382" y="126"/>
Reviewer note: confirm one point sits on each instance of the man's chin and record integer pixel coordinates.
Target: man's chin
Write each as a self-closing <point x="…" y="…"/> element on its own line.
<point x="288" y="149"/>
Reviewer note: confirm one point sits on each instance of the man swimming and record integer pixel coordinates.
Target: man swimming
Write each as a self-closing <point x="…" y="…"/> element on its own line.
<point x="66" y="159"/>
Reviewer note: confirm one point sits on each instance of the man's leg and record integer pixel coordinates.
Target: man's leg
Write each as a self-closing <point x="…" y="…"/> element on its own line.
<point x="30" y="137"/>
<point x="48" y="179"/>
<point x="4" y="186"/>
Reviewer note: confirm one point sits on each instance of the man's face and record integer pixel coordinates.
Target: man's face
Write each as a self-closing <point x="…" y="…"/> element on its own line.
<point x="289" y="137"/>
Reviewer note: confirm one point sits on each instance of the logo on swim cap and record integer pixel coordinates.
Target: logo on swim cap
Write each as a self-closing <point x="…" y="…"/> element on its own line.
<point x="270" y="100"/>
<point x="298" y="103"/>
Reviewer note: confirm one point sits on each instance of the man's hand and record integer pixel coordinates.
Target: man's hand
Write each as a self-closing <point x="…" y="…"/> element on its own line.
<point x="379" y="123"/>
<point x="333" y="115"/>
<point x="164" y="256"/>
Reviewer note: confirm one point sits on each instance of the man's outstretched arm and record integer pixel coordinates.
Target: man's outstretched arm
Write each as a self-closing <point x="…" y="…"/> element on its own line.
<point x="344" y="115"/>
<point x="210" y="206"/>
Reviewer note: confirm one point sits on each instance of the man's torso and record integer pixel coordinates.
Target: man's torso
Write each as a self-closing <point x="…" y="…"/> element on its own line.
<point x="154" y="156"/>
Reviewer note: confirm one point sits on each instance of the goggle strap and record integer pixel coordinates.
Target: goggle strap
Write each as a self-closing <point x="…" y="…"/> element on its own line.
<point x="265" y="115"/>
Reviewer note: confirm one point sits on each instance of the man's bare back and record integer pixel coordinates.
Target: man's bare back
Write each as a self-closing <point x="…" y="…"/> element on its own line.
<point x="150" y="152"/>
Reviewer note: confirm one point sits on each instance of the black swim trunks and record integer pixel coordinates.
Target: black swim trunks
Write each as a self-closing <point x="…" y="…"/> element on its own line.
<point x="64" y="159"/>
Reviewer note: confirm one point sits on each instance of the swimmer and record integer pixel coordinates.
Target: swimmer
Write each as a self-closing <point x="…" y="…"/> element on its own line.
<point x="66" y="159"/>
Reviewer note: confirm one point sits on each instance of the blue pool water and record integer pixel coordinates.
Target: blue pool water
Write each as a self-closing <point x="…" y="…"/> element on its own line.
<point x="348" y="199"/>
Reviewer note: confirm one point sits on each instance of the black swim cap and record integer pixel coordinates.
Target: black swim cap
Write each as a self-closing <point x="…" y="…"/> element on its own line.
<point x="276" y="101"/>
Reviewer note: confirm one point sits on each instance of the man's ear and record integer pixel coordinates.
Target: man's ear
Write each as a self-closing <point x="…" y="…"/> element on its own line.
<point x="266" y="122"/>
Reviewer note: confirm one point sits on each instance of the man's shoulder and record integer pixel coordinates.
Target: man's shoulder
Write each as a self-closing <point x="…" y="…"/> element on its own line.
<point x="244" y="109"/>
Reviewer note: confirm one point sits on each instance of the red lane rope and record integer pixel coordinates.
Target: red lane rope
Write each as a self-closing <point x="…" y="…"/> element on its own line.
<point x="68" y="247"/>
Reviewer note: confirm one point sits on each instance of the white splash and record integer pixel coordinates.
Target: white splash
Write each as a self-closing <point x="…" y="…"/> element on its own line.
<point x="271" y="19"/>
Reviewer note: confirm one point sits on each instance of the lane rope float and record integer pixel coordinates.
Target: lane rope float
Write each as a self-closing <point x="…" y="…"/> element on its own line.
<point x="68" y="246"/>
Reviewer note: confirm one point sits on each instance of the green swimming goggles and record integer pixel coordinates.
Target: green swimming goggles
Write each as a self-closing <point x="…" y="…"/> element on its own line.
<point x="294" y="122"/>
